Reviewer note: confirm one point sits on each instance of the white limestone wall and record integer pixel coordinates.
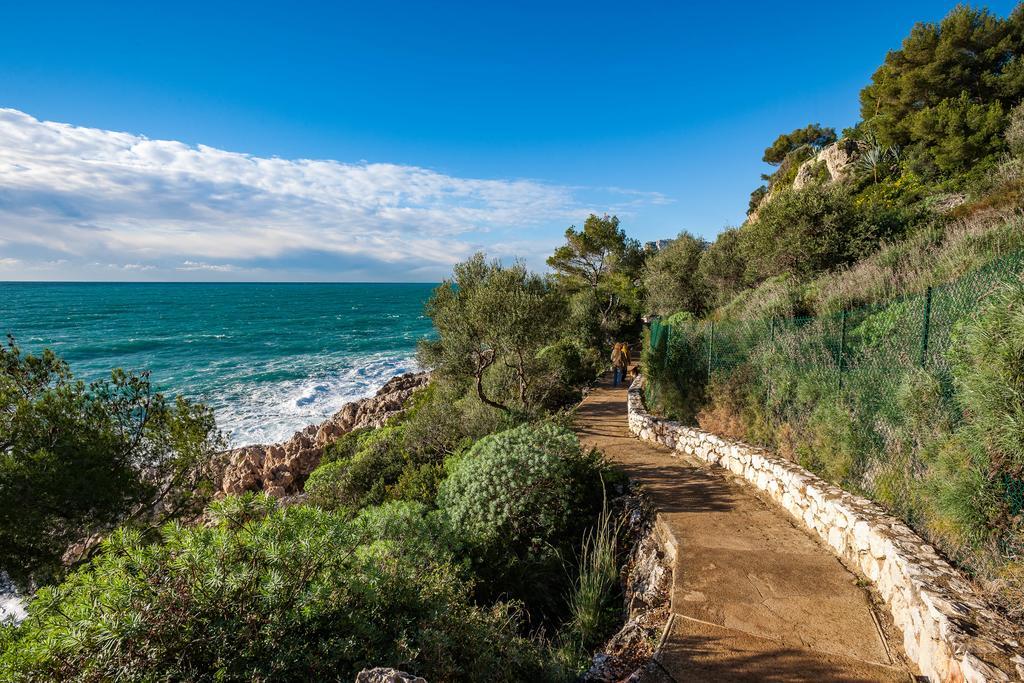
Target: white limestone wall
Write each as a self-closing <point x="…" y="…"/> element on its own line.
<point x="947" y="628"/>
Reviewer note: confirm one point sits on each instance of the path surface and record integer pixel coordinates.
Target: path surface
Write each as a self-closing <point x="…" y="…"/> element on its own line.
<point x="753" y="596"/>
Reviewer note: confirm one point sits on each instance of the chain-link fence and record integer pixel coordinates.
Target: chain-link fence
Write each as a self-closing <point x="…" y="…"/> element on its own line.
<point x="862" y="357"/>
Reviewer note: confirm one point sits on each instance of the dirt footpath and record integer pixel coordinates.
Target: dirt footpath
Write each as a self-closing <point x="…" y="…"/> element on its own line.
<point x="753" y="596"/>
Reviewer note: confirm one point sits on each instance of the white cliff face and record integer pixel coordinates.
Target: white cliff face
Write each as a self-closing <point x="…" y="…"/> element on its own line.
<point x="838" y="159"/>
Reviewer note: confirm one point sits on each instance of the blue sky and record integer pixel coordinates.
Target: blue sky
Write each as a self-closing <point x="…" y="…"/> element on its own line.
<point x="440" y="127"/>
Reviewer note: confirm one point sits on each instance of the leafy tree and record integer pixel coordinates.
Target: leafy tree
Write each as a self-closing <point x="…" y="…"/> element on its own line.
<point x="599" y="266"/>
<point x="76" y="460"/>
<point x="722" y="267"/>
<point x="959" y="133"/>
<point x="946" y="87"/>
<point x="590" y="255"/>
<point x="813" y="136"/>
<point x="672" y="280"/>
<point x="491" y="322"/>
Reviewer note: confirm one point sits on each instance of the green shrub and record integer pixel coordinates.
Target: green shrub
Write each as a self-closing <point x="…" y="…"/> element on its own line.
<point x="419" y="483"/>
<point x="675" y="368"/>
<point x="816" y="229"/>
<point x="287" y="594"/>
<point x="565" y="368"/>
<point x="360" y="471"/>
<point x="521" y="501"/>
<point x="77" y="459"/>
<point x="514" y="487"/>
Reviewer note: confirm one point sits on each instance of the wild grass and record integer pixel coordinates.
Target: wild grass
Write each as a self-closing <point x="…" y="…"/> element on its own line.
<point x="597" y="584"/>
<point x="937" y="253"/>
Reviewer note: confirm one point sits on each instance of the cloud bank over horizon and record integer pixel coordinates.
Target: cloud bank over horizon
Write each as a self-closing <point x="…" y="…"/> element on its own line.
<point x="87" y="203"/>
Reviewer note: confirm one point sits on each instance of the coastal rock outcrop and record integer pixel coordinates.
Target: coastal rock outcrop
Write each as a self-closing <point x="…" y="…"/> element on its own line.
<point x="281" y="469"/>
<point x="838" y="159"/>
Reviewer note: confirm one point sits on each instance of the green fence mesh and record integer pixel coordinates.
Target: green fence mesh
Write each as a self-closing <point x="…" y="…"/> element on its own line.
<point x="863" y="354"/>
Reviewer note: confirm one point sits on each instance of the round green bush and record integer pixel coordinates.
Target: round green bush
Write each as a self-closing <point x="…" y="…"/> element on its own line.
<point x="515" y="487"/>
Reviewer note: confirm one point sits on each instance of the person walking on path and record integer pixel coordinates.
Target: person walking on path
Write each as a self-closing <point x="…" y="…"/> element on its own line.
<point x="619" y="363"/>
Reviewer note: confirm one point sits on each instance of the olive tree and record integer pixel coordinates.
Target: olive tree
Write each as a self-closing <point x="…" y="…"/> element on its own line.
<point x="492" y="322"/>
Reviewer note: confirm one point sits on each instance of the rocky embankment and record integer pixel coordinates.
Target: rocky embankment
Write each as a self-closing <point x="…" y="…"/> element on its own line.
<point x="645" y="577"/>
<point x="281" y="469"/>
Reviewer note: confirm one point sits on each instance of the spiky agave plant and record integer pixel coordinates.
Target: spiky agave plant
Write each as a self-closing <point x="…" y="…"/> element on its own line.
<point x="873" y="157"/>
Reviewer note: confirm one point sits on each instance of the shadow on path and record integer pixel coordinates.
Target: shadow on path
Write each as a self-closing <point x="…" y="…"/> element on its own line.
<point x="754" y="598"/>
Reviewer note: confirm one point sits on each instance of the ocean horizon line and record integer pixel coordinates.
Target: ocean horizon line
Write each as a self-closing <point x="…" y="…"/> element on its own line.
<point x="216" y="282"/>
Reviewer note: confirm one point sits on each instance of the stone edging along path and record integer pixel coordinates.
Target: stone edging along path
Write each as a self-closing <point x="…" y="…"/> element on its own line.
<point x="947" y="629"/>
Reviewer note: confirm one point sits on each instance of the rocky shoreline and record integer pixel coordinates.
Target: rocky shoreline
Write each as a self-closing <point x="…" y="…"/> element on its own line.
<point x="281" y="469"/>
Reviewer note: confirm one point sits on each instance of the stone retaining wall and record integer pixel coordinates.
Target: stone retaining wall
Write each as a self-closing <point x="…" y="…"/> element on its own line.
<point x="948" y="631"/>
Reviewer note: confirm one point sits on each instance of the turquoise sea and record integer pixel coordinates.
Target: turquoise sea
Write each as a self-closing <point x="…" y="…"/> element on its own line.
<point x="269" y="358"/>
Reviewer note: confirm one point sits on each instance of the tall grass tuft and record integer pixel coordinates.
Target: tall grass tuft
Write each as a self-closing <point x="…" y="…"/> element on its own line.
<point x="596" y="587"/>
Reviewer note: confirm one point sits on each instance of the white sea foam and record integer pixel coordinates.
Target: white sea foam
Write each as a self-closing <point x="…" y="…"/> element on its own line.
<point x="12" y="607"/>
<point x="272" y="412"/>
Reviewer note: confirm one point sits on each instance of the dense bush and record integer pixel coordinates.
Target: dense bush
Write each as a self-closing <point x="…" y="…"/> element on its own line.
<point x="269" y="594"/>
<point x="816" y="229"/>
<point x="359" y="471"/>
<point x="517" y="487"/>
<point x="521" y="500"/>
<point x="76" y="460"/>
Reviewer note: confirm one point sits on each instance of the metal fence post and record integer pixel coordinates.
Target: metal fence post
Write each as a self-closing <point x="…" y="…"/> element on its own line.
<point x="711" y="348"/>
<point x="926" y="325"/>
<point x="842" y="348"/>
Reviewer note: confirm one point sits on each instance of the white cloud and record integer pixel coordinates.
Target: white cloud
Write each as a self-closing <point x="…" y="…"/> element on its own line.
<point x="8" y="262"/>
<point x="87" y="194"/>
<point x="215" y="267"/>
